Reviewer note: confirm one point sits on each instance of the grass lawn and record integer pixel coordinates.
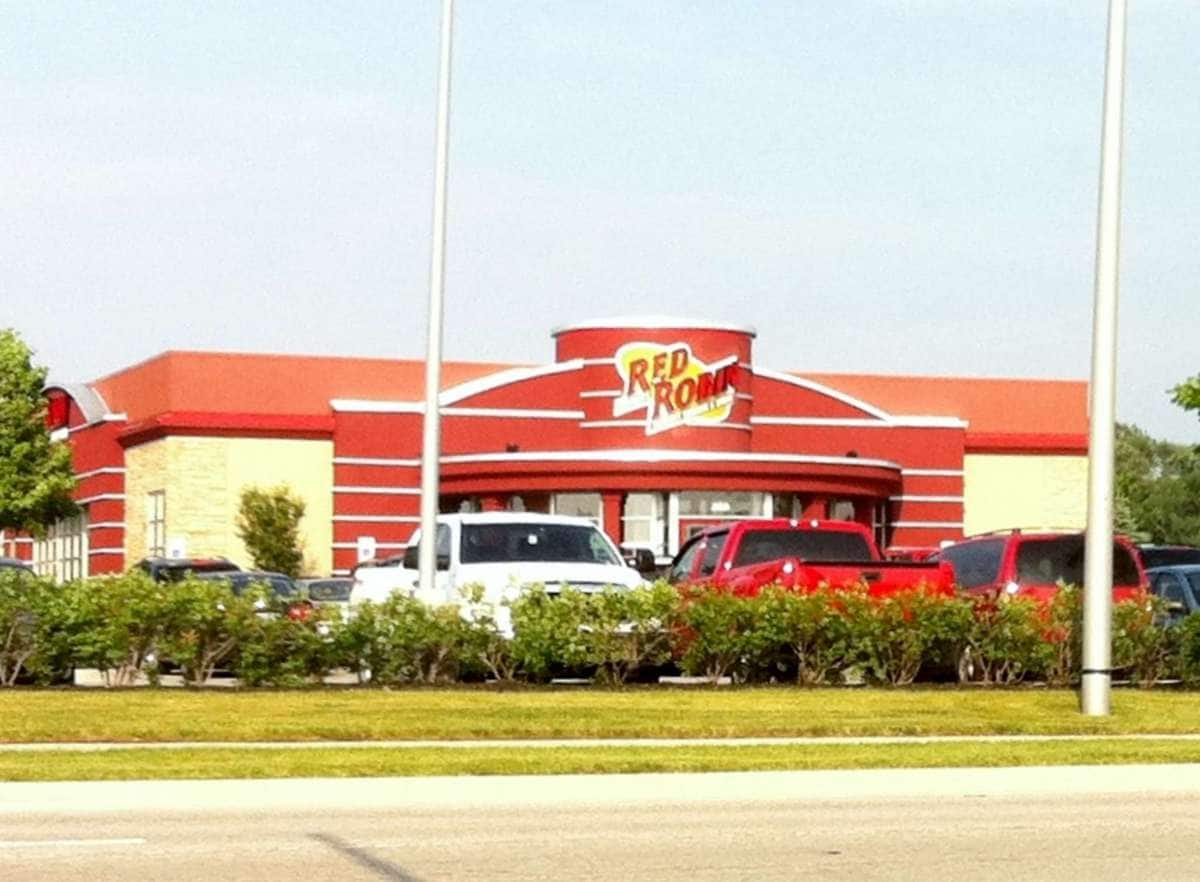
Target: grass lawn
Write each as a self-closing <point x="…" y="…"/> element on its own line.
<point x="141" y="764"/>
<point x="465" y="713"/>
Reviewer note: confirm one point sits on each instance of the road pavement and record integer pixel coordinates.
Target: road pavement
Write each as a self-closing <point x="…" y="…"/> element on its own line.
<point x="1083" y="823"/>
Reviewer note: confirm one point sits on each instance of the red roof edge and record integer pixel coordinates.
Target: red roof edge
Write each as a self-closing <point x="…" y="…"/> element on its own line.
<point x="229" y="425"/>
<point x="1044" y="443"/>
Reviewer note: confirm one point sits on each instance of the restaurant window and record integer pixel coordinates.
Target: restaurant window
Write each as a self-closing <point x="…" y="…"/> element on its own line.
<point x="62" y="553"/>
<point x="579" y="505"/>
<point x="734" y="504"/>
<point x="644" y="521"/>
<point x="156" y="524"/>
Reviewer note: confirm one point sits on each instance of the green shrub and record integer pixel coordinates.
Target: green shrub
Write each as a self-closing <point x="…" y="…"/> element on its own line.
<point x="804" y="631"/>
<point x="894" y="636"/>
<point x="718" y="634"/>
<point x="405" y="641"/>
<point x="548" y="633"/>
<point x="20" y="599"/>
<point x="1187" y="635"/>
<point x="275" y="649"/>
<point x="206" y="624"/>
<point x="1006" y="641"/>
<point x="1141" y="646"/>
<point x="625" y="631"/>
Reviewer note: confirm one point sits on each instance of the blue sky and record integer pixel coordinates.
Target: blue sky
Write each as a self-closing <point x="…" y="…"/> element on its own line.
<point x="900" y="187"/>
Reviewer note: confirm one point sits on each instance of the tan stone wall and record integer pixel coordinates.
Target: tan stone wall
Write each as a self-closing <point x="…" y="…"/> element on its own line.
<point x="1023" y="491"/>
<point x="203" y="479"/>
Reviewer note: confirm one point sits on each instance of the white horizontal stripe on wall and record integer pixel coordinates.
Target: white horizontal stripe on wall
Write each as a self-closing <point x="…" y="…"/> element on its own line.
<point x="601" y="393"/>
<point x="644" y="455"/>
<point x="598" y="362"/>
<point x="21" y="540"/>
<point x="106" y="551"/>
<point x="925" y="498"/>
<point x="362" y="405"/>
<point x="107" y="418"/>
<point x="107" y="525"/>
<point x="375" y="461"/>
<point x="620" y="424"/>
<point x="339" y="572"/>
<point x="385" y="491"/>
<point x="743" y="396"/>
<point x="896" y="422"/>
<point x="107" y="470"/>
<point x="100" y="497"/>
<point x="377" y="545"/>
<point x="378" y="519"/>
<point x="933" y="473"/>
<point x="932" y="524"/>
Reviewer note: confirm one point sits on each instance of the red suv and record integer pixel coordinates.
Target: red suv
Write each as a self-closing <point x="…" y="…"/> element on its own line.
<point x="1033" y="564"/>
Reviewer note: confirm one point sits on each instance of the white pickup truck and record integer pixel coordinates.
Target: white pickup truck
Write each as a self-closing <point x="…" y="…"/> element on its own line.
<point x="503" y="552"/>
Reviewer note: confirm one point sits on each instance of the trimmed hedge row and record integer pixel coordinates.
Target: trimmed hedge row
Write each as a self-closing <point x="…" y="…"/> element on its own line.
<point x="129" y="626"/>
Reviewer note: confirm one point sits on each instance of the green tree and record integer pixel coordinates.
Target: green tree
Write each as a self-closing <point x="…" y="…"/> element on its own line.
<point x="1187" y="394"/>
<point x="1157" y="487"/>
<point x="36" y="477"/>
<point x="268" y="522"/>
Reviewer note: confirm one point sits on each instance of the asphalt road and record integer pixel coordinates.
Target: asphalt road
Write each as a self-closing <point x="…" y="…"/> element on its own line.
<point x="1081" y="825"/>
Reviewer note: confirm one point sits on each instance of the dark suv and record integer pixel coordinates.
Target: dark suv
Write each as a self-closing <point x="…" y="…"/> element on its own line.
<point x="1033" y="564"/>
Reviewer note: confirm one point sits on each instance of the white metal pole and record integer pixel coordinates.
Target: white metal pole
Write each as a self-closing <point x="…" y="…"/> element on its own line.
<point x="1096" y="685"/>
<point x="431" y="444"/>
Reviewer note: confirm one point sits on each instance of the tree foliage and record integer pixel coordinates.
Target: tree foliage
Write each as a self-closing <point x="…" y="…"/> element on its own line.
<point x="36" y="477"/>
<point x="1157" y="487"/>
<point x="268" y="522"/>
<point x="1187" y="394"/>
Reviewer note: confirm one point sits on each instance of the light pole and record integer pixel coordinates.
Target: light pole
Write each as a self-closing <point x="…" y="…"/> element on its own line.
<point x="1096" y="681"/>
<point x="431" y="441"/>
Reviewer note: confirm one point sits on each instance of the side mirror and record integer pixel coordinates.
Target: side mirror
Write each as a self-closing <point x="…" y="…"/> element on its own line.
<point x="1175" y="606"/>
<point x="412" y="559"/>
<point x="443" y="562"/>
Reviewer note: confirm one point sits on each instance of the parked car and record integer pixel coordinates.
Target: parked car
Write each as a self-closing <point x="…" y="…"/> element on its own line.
<point x="174" y="569"/>
<point x="286" y="597"/>
<point x="746" y="556"/>
<point x="1033" y="564"/>
<point x="12" y="563"/>
<point x="502" y="552"/>
<point x="1179" y="587"/>
<point x="325" y="593"/>
<point x="1155" y="556"/>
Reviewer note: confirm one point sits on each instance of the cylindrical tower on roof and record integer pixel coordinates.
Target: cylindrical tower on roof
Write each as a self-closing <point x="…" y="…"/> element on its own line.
<point x="663" y="382"/>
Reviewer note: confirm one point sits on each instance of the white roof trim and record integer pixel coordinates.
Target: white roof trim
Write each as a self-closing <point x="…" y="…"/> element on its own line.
<point x="824" y="390"/>
<point x="638" y="455"/>
<point x="652" y="322"/>
<point x="506" y="378"/>
<point x="898" y="422"/>
<point x="375" y="461"/>
<point x="513" y="412"/>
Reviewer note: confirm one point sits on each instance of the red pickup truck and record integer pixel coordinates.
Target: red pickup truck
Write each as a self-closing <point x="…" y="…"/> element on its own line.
<point x="746" y="556"/>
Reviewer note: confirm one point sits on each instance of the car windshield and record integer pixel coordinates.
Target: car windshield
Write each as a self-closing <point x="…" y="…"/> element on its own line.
<point x="558" y="543"/>
<point x="331" y="590"/>
<point x="1050" y="561"/>
<point x="758" y="546"/>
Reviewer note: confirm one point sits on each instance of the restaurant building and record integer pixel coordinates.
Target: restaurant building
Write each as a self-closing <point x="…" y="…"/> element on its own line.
<point x="653" y="427"/>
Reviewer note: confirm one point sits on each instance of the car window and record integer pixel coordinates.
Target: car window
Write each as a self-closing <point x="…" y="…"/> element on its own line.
<point x="1060" y="559"/>
<point x="1194" y="583"/>
<point x="757" y="546"/>
<point x="1167" y="586"/>
<point x="712" y="551"/>
<point x="975" y="563"/>
<point x="682" y="567"/>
